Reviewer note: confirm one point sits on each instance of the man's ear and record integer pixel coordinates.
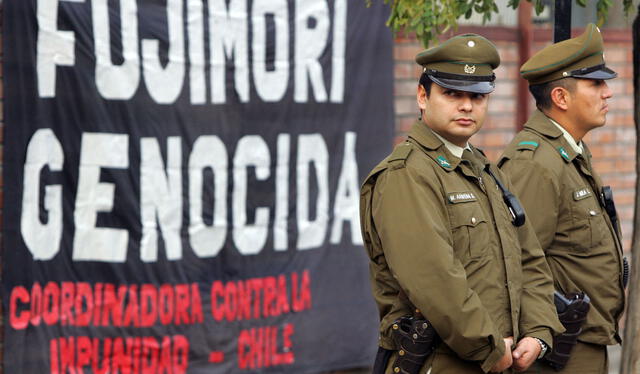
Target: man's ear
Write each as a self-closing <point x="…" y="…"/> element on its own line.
<point x="560" y="97"/>
<point x="421" y="97"/>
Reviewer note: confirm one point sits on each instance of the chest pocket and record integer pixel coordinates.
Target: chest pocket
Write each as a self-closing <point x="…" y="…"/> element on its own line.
<point x="587" y="223"/>
<point x="469" y="229"/>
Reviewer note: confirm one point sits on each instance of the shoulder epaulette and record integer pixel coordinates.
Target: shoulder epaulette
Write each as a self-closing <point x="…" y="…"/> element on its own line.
<point x="528" y="145"/>
<point x="400" y="153"/>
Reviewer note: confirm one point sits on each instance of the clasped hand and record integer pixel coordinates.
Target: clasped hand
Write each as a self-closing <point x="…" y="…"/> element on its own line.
<point x="525" y="353"/>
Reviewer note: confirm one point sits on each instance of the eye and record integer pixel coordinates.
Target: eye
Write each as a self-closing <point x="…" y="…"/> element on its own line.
<point x="477" y="96"/>
<point x="451" y="93"/>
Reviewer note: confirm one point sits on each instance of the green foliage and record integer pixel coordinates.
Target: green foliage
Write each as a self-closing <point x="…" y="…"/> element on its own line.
<point x="429" y="18"/>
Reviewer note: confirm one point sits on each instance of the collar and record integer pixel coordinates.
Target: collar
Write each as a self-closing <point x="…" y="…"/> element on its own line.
<point x="577" y="147"/>
<point x="436" y="147"/>
<point x="541" y="124"/>
<point x="428" y="140"/>
<point x="454" y="149"/>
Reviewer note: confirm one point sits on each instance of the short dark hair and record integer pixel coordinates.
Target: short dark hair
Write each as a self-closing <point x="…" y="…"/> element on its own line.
<point x="425" y="82"/>
<point x="542" y="92"/>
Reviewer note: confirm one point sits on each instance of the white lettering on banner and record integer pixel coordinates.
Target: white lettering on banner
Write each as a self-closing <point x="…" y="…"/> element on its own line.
<point x="195" y="28"/>
<point x="228" y="43"/>
<point x="339" y="48"/>
<point x="251" y="151"/>
<point x="306" y="52"/>
<point x="116" y="81"/>
<point x="347" y="201"/>
<point x="162" y="199"/>
<point x="92" y="243"/>
<point x="165" y="83"/>
<point x="42" y="239"/>
<point x="280" y="237"/>
<point x="228" y="31"/>
<point x="312" y="150"/>
<point x="271" y="85"/>
<point x="208" y="152"/>
<point x="54" y="47"/>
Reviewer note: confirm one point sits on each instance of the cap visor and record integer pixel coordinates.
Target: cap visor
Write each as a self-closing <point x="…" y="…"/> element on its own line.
<point x="603" y="73"/>
<point x="468" y="86"/>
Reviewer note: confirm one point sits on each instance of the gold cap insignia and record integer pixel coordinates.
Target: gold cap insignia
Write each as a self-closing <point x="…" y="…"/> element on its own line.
<point x="469" y="69"/>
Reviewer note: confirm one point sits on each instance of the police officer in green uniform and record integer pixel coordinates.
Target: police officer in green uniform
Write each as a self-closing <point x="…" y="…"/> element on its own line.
<point x="551" y="171"/>
<point x="445" y="250"/>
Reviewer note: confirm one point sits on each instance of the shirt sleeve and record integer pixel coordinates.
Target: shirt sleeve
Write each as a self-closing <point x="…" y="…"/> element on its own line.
<point x="412" y="223"/>
<point x="538" y="317"/>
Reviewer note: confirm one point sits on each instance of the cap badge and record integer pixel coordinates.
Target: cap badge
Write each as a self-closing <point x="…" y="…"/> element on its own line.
<point x="469" y="69"/>
<point x="471" y="43"/>
<point x="443" y="162"/>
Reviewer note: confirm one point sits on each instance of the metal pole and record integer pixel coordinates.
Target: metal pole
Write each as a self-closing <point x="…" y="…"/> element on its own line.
<point x="525" y="31"/>
<point x="562" y="27"/>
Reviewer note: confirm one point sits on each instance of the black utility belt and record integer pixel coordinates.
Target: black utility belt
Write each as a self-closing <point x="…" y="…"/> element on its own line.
<point x="415" y="339"/>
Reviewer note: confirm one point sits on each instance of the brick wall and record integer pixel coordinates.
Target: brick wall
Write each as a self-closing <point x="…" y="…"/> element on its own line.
<point x="613" y="146"/>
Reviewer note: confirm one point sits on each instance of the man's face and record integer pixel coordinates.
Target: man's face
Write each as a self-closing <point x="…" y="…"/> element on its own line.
<point x="587" y="104"/>
<point x="454" y="115"/>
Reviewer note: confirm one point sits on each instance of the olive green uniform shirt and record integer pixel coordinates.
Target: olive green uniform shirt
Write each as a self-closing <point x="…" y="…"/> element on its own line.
<point x="440" y="239"/>
<point x="561" y="194"/>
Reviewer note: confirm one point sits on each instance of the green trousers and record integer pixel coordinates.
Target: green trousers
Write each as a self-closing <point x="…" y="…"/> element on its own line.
<point x="585" y="359"/>
<point x="445" y="361"/>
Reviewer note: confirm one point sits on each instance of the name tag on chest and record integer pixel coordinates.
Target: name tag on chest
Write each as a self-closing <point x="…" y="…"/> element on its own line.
<point x="580" y="194"/>
<point x="461" y="197"/>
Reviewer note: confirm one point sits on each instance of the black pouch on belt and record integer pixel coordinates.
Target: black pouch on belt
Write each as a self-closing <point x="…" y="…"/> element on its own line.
<point x="416" y="339"/>
<point x="572" y="312"/>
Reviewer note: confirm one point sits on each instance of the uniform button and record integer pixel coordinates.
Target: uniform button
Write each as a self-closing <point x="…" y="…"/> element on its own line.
<point x="592" y="212"/>
<point x="473" y="220"/>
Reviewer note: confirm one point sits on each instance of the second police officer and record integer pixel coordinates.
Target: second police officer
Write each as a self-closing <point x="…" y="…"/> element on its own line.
<point x="571" y="211"/>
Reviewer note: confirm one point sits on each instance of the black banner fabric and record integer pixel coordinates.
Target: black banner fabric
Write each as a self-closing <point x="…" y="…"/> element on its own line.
<point x="181" y="184"/>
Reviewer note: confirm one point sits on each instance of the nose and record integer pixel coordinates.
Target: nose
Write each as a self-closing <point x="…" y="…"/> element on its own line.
<point x="465" y="104"/>
<point x="607" y="93"/>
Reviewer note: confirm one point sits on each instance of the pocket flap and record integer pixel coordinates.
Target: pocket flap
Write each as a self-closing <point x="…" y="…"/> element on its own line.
<point x="466" y="215"/>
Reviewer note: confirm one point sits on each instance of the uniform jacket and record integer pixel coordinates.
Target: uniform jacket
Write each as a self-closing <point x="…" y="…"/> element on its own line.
<point x="561" y="194"/>
<point x="440" y="239"/>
